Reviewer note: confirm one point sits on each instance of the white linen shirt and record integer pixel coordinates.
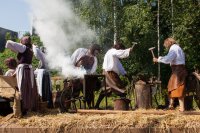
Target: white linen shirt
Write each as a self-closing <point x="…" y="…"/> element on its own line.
<point x="16" y="47"/>
<point x="80" y="52"/>
<point x="175" y="56"/>
<point x="111" y="60"/>
<point x="10" y="72"/>
<point x="39" y="55"/>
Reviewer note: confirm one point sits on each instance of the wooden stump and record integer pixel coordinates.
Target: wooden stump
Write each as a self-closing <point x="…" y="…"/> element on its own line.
<point x="143" y="95"/>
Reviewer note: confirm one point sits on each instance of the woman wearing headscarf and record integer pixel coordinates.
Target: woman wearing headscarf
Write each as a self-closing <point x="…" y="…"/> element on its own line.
<point x="24" y="73"/>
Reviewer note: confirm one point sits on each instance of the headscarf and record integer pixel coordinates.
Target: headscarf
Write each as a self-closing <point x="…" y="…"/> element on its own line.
<point x="26" y="40"/>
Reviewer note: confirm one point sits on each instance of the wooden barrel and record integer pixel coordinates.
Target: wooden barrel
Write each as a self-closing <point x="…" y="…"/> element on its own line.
<point x="121" y="104"/>
<point x="143" y="95"/>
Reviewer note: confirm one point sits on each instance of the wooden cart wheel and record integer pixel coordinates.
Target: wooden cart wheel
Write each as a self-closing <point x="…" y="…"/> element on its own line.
<point x="67" y="103"/>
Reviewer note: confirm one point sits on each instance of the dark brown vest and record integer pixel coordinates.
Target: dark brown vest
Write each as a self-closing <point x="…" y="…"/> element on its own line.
<point x="26" y="57"/>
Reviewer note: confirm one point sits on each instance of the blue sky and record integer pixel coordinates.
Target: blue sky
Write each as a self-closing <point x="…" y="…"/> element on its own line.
<point x="14" y="15"/>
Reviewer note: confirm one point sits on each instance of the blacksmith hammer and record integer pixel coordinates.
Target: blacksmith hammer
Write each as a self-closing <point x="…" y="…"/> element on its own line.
<point x="151" y="49"/>
<point x="134" y="43"/>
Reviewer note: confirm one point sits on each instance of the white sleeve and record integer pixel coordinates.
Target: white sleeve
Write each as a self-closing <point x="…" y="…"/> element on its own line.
<point x="122" y="53"/>
<point x="75" y="56"/>
<point x="16" y="47"/>
<point x="168" y="58"/>
<point x="38" y="53"/>
<point x="7" y="73"/>
<point x="122" y="70"/>
<point x="78" y="53"/>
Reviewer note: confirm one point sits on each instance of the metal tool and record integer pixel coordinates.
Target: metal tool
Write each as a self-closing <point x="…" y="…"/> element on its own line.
<point x="133" y="44"/>
<point x="151" y="49"/>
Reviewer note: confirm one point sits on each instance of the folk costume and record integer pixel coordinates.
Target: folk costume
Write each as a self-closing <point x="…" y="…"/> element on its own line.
<point x="84" y="59"/>
<point x="176" y="84"/>
<point x="81" y="58"/>
<point x="43" y="77"/>
<point x="112" y="68"/>
<point x="25" y="76"/>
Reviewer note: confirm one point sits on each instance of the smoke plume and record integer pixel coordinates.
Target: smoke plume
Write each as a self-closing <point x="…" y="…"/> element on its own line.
<point x="61" y="31"/>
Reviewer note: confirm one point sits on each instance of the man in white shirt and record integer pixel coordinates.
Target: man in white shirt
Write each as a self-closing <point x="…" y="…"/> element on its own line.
<point x="176" y="59"/>
<point x="86" y="59"/>
<point x="112" y="68"/>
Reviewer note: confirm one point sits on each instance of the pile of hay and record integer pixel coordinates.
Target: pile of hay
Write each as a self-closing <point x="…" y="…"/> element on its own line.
<point x="55" y="120"/>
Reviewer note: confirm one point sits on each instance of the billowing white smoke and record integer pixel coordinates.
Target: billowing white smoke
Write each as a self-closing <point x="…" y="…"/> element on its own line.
<point x="60" y="31"/>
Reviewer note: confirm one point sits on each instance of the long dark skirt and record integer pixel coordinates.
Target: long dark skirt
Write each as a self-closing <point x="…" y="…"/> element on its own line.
<point x="29" y="94"/>
<point x="46" y="89"/>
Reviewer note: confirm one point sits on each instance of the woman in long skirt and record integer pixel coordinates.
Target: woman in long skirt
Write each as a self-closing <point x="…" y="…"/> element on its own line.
<point x="24" y="74"/>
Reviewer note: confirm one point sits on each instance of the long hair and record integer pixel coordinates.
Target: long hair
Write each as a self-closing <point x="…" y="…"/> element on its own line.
<point x="169" y="41"/>
<point x="94" y="47"/>
<point x="118" y="45"/>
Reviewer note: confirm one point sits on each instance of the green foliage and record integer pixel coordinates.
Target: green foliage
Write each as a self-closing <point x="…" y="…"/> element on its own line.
<point x="36" y="40"/>
<point x="187" y="30"/>
<point x="10" y="37"/>
<point x="27" y="34"/>
<point x="137" y="21"/>
<point x="138" y="27"/>
<point x="98" y="15"/>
